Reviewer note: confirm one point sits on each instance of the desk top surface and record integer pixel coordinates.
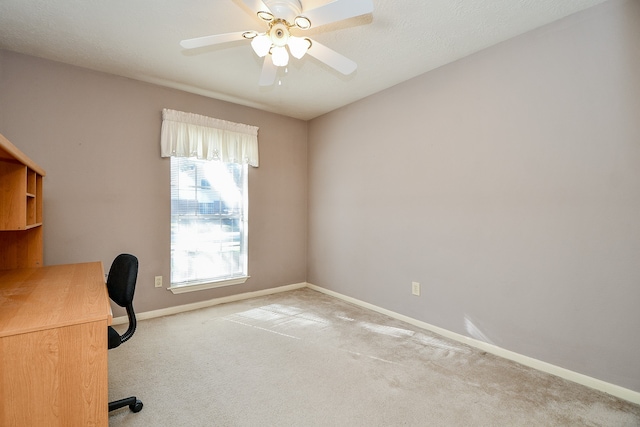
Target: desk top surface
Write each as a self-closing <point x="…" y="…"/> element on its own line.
<point x="55" y="296"/>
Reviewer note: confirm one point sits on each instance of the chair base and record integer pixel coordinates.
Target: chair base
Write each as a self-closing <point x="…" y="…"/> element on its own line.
<point x="132" y="402"/>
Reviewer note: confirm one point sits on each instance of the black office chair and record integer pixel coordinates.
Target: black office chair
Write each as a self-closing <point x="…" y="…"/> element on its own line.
<point x="121" y="284"/>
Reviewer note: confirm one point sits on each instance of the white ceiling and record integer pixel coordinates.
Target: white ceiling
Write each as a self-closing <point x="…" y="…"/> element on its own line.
<point x="140" y="39"/>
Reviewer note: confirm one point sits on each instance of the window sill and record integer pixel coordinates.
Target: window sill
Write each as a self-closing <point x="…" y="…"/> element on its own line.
<point x="207" y="285"/>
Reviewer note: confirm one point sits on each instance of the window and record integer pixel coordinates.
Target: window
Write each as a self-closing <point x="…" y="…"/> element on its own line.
<point x="209" y="198"/>
<point x="208" y="223"/>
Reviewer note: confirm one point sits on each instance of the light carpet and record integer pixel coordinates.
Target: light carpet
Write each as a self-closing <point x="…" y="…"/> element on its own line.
<point x="302" y="358"/>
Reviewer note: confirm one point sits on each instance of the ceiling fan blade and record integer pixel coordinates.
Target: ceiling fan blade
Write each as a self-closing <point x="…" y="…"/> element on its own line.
<point x="268" y="74"/>
<point x="211" y="40"/>
<point x="332" y="58"/>
<point x="256" y="6"/>
<point x="337" y="10"/>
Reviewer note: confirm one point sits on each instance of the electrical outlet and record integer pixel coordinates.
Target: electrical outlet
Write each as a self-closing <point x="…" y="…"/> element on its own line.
<point x="158" y="281"/>
<point x="415" y="288"/>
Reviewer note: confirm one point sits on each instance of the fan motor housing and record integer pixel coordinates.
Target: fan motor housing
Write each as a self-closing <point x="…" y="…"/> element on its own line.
<point x="284" y="9"/>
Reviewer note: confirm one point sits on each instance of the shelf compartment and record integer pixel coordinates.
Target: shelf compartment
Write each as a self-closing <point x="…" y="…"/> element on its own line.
<point x="20" y="209"/>
<point x="13" y="209"/>
<point x="21" y="249"/>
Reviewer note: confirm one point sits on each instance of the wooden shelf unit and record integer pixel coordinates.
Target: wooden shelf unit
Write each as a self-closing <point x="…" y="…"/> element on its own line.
<point x="20" y="209"/>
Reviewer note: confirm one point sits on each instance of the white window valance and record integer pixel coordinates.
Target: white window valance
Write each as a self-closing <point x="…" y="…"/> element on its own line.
<point x="193" y="135"/>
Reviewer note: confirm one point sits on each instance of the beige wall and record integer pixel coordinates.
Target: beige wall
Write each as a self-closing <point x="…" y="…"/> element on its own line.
<point x="508" y="185"/>
<point x="107" y="189"/>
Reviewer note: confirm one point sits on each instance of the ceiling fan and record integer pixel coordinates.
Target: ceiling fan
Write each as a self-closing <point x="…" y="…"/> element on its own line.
<point x="283" y="17"/>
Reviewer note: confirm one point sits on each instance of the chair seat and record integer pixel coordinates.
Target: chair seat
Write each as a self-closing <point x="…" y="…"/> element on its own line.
<point x="114" y="338"/>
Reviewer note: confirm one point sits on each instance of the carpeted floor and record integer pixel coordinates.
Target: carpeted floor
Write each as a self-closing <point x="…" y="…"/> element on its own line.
<point x="302" y="358"/>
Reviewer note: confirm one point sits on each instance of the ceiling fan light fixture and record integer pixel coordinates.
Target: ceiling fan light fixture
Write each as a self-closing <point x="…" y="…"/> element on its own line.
<point x="250" y="34"/>
<point x="298" y="46"/>
<point x="279" y="33"/>
<point x="265" y="16"/>
<point x="279" y="56"/>
<point x="302" y="22"/>
<point x="261" y="45"/>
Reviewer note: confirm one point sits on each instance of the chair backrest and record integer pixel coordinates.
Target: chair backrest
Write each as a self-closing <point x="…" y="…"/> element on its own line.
<point x="121" y="281"/>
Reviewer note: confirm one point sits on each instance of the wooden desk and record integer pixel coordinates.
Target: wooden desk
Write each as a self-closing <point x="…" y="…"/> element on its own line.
<point x="53" y="346"/>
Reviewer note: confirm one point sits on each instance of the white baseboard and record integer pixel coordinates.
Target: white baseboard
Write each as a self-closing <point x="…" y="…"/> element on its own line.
<point x="612" y="389"/>
<point x="209" y="303"/>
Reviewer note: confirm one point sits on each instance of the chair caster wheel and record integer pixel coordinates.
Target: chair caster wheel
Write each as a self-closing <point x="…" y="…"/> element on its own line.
<point x="136" y="407"/>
